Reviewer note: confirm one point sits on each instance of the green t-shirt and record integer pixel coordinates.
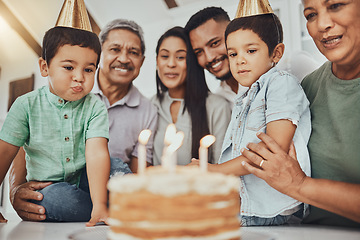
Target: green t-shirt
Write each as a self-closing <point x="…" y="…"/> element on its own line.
<point x="334" y="144"/>
<point x="53" y="133"/>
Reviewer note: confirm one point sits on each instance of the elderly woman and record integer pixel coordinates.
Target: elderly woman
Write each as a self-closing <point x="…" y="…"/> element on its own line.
<point x="333" y="91"/>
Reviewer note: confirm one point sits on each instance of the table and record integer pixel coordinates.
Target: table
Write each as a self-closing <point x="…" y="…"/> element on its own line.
<point x="16" y="229"/>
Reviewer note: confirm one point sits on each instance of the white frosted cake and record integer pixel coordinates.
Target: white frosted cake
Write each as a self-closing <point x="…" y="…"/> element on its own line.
<point x="181" y="205"/>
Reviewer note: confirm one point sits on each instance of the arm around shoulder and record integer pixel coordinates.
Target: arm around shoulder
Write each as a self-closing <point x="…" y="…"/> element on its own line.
<point x="219" y="116"/>
<point x="22" y="192"/>
<point x="334" y="196"/>
<point x="7" y="154"/>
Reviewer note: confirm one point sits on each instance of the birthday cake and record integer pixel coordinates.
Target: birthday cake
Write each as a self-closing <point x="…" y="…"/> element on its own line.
<point x="187" y="203"/>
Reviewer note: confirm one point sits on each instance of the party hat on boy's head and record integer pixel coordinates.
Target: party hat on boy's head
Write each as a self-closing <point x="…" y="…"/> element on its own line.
<point x="253" y="7"/>
<point x="73" y="14"/>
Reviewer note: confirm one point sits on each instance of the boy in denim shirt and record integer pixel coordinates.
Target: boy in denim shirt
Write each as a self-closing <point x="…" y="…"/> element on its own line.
<point x="63" y="129"/>
<point x="272" y="102"/>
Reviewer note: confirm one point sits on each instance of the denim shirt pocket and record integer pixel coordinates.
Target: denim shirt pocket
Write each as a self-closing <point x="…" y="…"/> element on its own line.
<point x="255" y="119"/>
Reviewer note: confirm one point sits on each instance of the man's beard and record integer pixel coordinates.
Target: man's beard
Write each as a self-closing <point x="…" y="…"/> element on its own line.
<point x="226" y="76"/>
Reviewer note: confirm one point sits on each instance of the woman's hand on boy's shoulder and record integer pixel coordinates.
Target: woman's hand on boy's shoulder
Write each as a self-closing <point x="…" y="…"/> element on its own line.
<point x="278" y="168"/>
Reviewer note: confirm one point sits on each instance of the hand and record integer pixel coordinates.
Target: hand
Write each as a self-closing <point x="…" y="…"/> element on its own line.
<point x="279" y="169"/>
<point x="194" y="162"/>
<point x="98" y="214"/>
<point x="20" y="196"/>
<point x="2" y="219"/>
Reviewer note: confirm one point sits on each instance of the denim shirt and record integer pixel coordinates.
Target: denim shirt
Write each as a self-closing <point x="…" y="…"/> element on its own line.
<point x="275" y="95"/>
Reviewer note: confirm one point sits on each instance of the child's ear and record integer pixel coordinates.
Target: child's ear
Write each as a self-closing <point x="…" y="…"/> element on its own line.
<point x="43" y="67"/>
<point x="278" y="52"/>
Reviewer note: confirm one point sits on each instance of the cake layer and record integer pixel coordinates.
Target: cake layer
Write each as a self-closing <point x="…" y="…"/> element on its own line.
<point x="230" y="235"/>
<point x="185" y="180"/>
<point x="143" y="206"/>
<point x="160" y="229"/>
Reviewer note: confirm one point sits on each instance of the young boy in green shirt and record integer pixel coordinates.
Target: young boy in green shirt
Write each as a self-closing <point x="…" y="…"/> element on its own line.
<point x="63" y="129"/>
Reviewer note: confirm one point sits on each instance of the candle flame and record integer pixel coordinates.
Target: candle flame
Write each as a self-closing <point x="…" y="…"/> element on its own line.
<point x="170" y="134"/>
<point x="176" y="142"/>
<point x="144" y="136"/>
<point x="207" y="141"/>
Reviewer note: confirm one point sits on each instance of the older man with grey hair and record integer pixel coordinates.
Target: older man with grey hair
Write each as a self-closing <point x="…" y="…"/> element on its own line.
<point x="129" y="111"/>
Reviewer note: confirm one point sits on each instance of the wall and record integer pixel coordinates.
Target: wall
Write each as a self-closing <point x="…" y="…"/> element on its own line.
<point x="19" y="61"/>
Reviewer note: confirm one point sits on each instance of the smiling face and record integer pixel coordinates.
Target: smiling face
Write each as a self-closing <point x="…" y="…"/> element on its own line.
<point x="334" y="26"/>
<point x="248" y="56"/>
<point x="171" y="63"/>
<point x="70" y="72"/>
<point x="208" y="43"/>
<point x="121" y="57"/>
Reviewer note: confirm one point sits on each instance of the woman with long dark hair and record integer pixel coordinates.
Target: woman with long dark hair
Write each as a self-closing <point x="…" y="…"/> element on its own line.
<point x="183" y="98"/>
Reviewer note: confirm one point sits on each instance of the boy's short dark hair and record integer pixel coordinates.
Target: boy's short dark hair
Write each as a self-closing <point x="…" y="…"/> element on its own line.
<point x="199" y="18"/>
<point x="266" y="26"/>
<point x="59" y="36"/>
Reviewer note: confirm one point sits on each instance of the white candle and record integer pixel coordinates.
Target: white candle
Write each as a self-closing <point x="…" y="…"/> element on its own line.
<point x="203" y="155"/>
<point x="169" y="137"/>
<point x="143" y="139"/>
<point x="171" y="158"/>
<point x="169" y="134"/>
<point x="205" y="143"/>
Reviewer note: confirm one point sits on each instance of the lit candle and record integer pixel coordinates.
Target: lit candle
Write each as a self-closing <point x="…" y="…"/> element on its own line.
<point x="169" y="137"/>
<point x="169" y="134"/>
<point x="170" y="155"/>
<point x="205" y="143"/>
<point x="143" y="139"/>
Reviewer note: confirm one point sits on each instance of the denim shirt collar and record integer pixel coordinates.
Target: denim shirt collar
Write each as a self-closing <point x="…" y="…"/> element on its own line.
<point x="254" y="88"/>
<point x="263" y="78"/>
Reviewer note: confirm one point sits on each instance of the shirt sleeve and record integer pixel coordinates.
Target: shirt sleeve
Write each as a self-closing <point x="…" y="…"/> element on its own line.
<point x="150" y="123"/>
<point x="98" y="123"/>
<point x="285" y="99"/>
<point x="219" y="114"/>
<point x="15" y="129"/>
